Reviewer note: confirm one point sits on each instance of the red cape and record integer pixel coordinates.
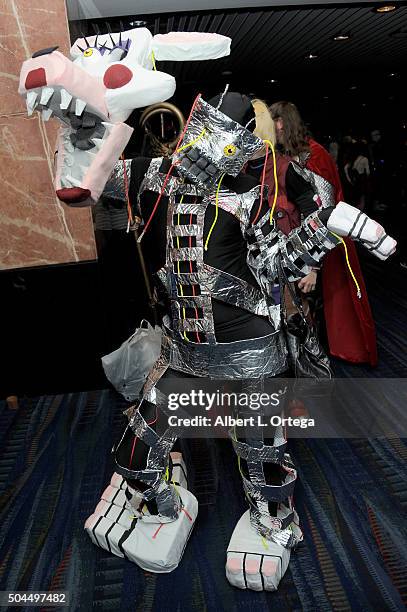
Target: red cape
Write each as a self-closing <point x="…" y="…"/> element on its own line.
<point x="349" y="321"/>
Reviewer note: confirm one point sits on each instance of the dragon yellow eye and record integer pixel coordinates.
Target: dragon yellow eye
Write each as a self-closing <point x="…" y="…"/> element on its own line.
<point x="88" y="52"/>
<point x="229" y="150"/>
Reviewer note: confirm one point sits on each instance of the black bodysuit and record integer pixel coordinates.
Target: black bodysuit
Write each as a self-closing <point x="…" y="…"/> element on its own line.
<point x="227" y="247"/>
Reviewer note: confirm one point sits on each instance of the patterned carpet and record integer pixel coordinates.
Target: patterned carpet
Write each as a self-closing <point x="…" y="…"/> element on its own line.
<point x="351" y="496"/>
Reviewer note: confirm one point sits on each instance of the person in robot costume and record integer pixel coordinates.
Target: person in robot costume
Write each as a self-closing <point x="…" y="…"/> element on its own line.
<point x="214" y="250"/>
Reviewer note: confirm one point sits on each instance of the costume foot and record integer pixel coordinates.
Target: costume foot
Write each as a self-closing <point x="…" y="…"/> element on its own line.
<point x="122" y="524"/>
<point x="254" y="562"/>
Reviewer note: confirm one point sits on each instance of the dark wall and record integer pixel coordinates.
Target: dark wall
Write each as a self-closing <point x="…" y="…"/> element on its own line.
<point x="58" y="321"/>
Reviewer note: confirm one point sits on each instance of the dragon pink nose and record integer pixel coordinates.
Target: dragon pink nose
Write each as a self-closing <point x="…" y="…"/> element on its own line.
<point x="36" y="78"/>
<point x="117" y="76"/>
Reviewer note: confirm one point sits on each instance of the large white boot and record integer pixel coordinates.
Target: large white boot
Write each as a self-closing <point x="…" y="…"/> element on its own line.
<point x="119" y="528"/>
<point x="253" y="562"/>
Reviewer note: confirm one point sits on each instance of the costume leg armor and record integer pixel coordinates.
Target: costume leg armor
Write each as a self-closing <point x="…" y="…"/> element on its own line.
<point x="146" y="514"/>
<point x="259" y="550"/>
<point x="152" y="479"/>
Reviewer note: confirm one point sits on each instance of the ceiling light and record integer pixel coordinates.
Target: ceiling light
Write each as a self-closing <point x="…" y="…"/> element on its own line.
<point x="272" y="81"/>
<point x="311" y="56"/>
<point x="226" y="73"/>
<point x="353" y="87"/>
<point x="340" y="37"/>
<point x="392" y="74"/>
<point x="385" y="8"/>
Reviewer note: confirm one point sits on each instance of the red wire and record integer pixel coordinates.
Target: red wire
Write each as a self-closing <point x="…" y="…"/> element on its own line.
<point x="188" y="120"/>
<point x="193" y="286"/>
<point x="135" y="438"/>
<point x="159" y="198"/>
<point x="172" y="165"/>
<point x="157" y="530"/>
<point x="263" y="178"/>
<point x="187" y="514"/>
<point x="126" y="190"/>
<point x="190" y="238"/>
<point x="132" y="450"/>
<point x="190" y="244"/>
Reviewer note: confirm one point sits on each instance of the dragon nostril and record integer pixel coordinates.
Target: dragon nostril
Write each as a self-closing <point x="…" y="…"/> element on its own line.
<point x="117" y="76"/>
<point x="44" y="51"/>
<point x="36" y="78"/>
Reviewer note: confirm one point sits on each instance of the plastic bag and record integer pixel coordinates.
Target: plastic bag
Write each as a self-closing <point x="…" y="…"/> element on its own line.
<point x="128" y="366"/>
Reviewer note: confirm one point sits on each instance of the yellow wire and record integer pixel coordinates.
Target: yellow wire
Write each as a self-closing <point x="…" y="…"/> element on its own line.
<point x="176" y="488"/>
<point x="190" y="144"/>
<point x="216" y="211"/>
<point x="166" y="478"/>
<point x="264" y="542"/>
<point x="238" y="457"/>
<point x="359" y="293"/>
<point x="153" y="60"/>
<point x="268" y="142"/>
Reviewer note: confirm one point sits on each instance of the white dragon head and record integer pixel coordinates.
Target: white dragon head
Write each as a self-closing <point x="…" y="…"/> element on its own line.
<point x="94" y="93"/>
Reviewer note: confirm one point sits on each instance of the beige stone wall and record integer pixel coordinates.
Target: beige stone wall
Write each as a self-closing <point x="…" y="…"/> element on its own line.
<point x="35" y="227"/>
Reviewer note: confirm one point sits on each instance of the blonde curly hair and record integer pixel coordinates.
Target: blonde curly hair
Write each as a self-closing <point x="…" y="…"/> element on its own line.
<point x="265" y="128"/>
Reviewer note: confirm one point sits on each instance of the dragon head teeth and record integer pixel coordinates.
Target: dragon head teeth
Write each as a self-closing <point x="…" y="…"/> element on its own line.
<point x="31" y="102"/>
<point x="80" y="106"/>
<point x="97" y="141"/>
<point x="65" y="99"/>
<point x="46" y="95"/>
<point x="46" y="114"/>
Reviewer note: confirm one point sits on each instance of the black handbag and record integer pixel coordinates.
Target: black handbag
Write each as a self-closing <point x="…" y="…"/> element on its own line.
<point x="306" y="356"/>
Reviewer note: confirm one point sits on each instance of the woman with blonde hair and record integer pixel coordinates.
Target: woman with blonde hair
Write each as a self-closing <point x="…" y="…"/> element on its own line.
<point x="265" y="128"/>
